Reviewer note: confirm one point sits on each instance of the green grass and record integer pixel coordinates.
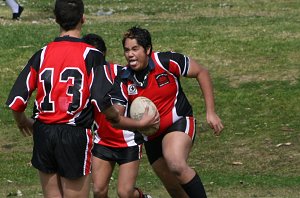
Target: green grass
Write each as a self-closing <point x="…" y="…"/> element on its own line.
<point x="251" y="49"/>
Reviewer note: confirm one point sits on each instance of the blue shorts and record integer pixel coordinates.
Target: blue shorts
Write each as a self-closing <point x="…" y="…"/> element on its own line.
<point x="62" y="149"/>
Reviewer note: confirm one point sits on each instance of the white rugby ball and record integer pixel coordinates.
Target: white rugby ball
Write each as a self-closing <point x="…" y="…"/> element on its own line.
<point x="137" y="109"/>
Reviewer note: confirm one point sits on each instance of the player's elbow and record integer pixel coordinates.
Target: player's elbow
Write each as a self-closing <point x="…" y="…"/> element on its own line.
<point x="112" y="115"/>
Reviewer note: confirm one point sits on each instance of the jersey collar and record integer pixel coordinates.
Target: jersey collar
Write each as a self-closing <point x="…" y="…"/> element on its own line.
<point x="67" y="38"/>
<point x="129" y="74"/>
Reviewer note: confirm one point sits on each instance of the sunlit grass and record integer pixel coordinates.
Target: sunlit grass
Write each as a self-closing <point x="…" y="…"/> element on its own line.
<point x="251" y="49"/>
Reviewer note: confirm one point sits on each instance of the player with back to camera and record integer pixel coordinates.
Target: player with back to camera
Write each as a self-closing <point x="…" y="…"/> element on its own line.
<point x="68" y="75"/>
<point x="113" y="145"/>
<point x="155" y="75"/>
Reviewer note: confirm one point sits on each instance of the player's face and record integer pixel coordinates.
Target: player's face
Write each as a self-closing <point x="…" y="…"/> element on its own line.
<point x="136" y="55"/>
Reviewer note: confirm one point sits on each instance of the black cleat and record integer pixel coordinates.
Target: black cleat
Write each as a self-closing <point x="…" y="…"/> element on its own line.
<point x="16" y="16"/>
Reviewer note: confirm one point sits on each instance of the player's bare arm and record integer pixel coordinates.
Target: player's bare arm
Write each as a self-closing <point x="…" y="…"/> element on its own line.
<point x="112" y="115"/>
<point x="202" y="75"/>
<point x="24" y="124"/>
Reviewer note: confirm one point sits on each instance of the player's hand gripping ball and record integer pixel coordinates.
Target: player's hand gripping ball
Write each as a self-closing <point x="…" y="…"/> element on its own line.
<point x="137" y="109"/>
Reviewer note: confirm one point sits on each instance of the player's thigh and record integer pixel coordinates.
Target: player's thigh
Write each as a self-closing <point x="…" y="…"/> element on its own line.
<point x="76" y="188"/>
<point x="176" y="149"/>
<point x="51" y="185"/>
<point x="128" y="173"/>
<point x="101" y="172"/>
<point x="176" y="146"/>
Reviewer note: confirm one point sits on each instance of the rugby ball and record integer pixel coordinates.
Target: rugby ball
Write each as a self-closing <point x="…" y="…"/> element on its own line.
<point x="137" y="109"/>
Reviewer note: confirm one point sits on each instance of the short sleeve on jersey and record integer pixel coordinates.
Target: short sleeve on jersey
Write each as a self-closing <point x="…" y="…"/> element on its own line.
<point x="24" y="84"/>
<point x="176" y="63"/>
<point x="101" y="82"/>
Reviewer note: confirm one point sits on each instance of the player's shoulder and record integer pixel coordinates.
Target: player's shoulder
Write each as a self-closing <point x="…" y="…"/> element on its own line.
<point x="88" y="46"/>
<point x="123" y="74"/>
<point x="90" y="51"/>
<point x="114" y="68"/>
<point x="167" y="55"/>
<point x="162" y="58"/>
<point x="115" y="65"/>
<point x="35" y="59"/>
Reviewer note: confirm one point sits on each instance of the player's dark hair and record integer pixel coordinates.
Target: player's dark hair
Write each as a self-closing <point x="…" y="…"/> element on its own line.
<point x="68" y="13"/>
<point x="141" y="35"/>
<point x="96" y="41"/>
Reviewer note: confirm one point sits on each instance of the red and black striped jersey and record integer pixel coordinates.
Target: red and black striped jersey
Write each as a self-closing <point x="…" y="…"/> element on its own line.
<point x="160" y="82"/>
<point x="68" y="75"/>
<point x="107" y="135"/>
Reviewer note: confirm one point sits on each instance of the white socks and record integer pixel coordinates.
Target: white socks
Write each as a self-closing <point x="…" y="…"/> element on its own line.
<point x="14" y="6"/>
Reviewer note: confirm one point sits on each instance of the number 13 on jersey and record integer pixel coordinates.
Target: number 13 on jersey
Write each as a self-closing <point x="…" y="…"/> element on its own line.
<point x="62" y="94"/>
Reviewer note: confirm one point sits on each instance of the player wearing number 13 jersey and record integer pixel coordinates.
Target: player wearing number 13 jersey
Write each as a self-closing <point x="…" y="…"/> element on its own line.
<point x="68" y="76"/>
<point x="63" y="74"/>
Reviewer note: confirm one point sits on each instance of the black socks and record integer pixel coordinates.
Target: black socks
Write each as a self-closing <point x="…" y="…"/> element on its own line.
<point x="194" y="188"/>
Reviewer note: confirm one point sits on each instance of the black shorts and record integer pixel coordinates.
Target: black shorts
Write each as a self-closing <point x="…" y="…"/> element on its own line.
<point x="154" y="147"/>
<point x="118" y="155"/>
<point x="62" y="149"/>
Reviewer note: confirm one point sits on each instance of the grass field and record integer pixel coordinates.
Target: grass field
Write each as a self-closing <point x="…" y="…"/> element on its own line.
<point x="252" y="51"/>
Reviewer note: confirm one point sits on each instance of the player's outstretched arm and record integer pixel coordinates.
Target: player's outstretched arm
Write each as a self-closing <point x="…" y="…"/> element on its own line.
<point x="24" y="124"/>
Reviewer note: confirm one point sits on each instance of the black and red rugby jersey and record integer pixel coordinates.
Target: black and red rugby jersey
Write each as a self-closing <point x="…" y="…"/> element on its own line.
<point x="68" y="75"/>
<point x="161" y="84"/>
<point x="107" y="135"/>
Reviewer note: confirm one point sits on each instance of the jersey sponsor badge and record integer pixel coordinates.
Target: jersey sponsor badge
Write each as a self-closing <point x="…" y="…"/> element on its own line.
<point x="132" y="89"/>
<point x="162" y="79"/>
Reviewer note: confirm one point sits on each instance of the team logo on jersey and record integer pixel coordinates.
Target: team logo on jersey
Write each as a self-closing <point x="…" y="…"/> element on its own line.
<point x="162" y="79"/>
<point x="132" y="89"/>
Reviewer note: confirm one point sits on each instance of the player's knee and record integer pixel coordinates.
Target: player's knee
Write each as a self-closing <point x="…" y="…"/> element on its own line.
<point x="177" y="167"/>
<point x="100" y="192"/>
<point x="125" y="193"/>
